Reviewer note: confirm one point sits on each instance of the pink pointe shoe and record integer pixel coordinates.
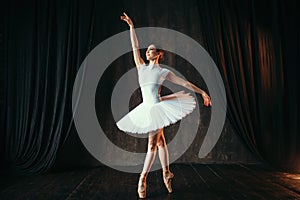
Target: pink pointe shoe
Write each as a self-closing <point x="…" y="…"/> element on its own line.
<point x="168" y="176"/>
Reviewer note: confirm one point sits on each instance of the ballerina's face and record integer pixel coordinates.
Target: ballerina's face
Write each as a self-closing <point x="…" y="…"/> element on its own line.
<point x="151" y="53"/>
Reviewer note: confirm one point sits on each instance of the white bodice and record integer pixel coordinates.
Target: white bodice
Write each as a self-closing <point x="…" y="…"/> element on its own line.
<point x="150" y="79"/>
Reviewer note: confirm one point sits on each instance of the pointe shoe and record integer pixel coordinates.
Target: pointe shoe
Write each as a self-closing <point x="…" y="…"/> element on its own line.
<point x="142" y="186"/>
<point x="168" y="176"/>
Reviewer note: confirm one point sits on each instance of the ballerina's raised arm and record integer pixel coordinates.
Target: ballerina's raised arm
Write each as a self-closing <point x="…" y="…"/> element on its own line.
<point x="134" y="41"/>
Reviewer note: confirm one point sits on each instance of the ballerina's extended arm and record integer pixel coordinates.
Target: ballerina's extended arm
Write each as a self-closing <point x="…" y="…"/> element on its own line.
<point x="134" y="41"/>
<point x="179" y="81"/>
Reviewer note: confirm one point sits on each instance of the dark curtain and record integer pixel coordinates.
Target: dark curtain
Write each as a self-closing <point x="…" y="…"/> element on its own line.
<point x="254" y="43"/>
<point x="45" y="43"/>
<point x="256" y="47"/>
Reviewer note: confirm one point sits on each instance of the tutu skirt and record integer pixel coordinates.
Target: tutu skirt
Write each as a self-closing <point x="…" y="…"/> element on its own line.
<point x="147" y="117"/>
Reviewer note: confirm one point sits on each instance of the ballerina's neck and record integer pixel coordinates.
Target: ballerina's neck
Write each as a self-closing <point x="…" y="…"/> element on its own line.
<point x="153" y="65"/>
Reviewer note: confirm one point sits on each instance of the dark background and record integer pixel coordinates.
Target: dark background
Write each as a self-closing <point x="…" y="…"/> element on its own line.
<point x="255" y="45"/>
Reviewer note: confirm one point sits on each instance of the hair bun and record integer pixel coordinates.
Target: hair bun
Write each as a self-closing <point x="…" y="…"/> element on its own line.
<point x="161" y="55"/>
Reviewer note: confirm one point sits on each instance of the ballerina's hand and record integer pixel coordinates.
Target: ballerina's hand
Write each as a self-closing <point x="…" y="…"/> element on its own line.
<point x="206" y="100"/>
<point x="127" y="19"/>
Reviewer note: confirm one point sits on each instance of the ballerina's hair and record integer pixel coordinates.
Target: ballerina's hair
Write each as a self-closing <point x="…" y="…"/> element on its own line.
<point x="161" y="53"/>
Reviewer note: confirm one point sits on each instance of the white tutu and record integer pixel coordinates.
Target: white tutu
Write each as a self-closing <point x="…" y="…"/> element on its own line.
<point x="155" y="112"/>
<point x="149" y="117"/>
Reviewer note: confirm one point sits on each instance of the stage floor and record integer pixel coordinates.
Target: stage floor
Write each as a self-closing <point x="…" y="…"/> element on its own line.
<point x="191" y="181"/>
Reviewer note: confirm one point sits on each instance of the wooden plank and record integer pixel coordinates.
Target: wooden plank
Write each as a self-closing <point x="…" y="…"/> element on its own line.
<point x="103" y="183"/>
<point x="263" y="187"/>
<point x="290" y="181"/>
<point x="220" y="184"/>
<point x="236" y="182"/>
<point x="48" y="186"/>
<point x="188" y="185"/>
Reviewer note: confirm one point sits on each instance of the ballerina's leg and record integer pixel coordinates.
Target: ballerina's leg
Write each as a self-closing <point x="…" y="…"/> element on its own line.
<point x="163" y="151"/>
<point x="151" y="151"/>
<point x="150" y="156"/>
<point x="164" y="160"/>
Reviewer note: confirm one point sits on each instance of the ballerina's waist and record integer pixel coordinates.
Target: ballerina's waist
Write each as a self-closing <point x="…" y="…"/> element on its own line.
<point x="150" y="94"/>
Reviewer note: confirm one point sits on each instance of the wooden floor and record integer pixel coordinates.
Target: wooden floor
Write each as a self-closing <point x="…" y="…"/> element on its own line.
<point x="191" y="181"/>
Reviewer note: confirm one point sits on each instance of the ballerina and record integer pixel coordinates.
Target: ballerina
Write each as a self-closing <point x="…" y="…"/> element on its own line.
<point x="156" y="112"/>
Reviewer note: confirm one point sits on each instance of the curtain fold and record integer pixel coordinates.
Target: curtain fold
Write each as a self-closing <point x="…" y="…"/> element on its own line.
<point x="44" y="53"/>
<point x="256" y="47"/>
